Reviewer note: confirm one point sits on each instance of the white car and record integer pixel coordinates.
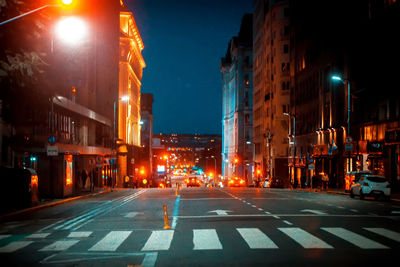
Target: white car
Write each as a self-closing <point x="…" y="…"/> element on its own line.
<point x="371" y="185"/>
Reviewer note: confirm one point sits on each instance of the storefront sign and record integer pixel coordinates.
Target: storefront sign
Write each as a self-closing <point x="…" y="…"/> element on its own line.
<point x="52" y="150"/>
<point x="375" y="147"/>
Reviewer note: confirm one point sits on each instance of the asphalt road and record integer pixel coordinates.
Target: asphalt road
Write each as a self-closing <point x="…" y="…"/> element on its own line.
<point x="209" y="227"/>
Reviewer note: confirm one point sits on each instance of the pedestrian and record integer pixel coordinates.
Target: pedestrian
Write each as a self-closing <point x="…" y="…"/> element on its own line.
<point x="325" y="181"/>
<point x="91" y="180"/>
<point x="84" y="176"/>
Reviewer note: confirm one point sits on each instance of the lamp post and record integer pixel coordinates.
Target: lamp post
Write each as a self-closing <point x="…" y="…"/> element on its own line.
<point x="63" y="3"/>
<point x="344" y="81"/>
<point x="124" y="99"/>
<point x="293" y="140"/>
<point x="254" y="158"/>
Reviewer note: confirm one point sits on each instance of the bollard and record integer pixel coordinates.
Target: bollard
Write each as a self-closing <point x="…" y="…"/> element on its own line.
<point x="166" y="226"/>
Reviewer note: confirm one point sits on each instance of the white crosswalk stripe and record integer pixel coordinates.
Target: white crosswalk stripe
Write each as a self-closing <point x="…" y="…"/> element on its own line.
<point x="79" y="234"/>
<point x="159" y="240"/>
<point x="386" y="233"/>
<point x="255" y="238"/>
<point x="354" y="238"/>
<point x="38" y="235"/>
<point x="111" y="241"/>
<point x="304" y="238"/>
<point x="14" y="246"/>
<point x="204" y="239"/>
<point x="60" y="245"/>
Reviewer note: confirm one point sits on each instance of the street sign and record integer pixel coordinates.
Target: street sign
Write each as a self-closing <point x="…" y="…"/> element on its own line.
<point x="348" y="140"/>
<point x="92" y="161"/>
<point x="51" y="139"/>
<point x="311" y="166"/>
<point x="348" y="147"/>
<point x="132" y="161"/>
<point x="52" y="150"/>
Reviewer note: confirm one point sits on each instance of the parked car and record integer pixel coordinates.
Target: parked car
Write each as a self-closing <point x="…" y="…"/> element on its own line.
<point x="237" y="182"/>
<point x="371" y="185"/>
<point x="193" y="181"/>
<point x="19" y="188"/>
<point x="352" y="177"/>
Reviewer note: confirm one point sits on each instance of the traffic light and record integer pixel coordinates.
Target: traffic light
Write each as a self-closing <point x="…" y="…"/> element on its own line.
<point x="211" y="174"/>
<point x="236" y="160"/>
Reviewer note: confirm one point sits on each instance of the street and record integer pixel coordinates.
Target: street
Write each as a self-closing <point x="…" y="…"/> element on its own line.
<point x="209" y="227"/>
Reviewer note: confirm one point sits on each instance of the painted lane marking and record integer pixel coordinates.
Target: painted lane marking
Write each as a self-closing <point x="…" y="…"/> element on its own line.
<point x="215" y="198"/>
<point x="220" y="212"/>
<point x="159" y="240"/>
<point x="260" y="209"/>
<point x="255" y="238"/>
<point x="132" y="214"/>
<point x="353" y="210"/>
<point x="4" y="236"/>
<point x="60" y="245"/>
<point x="14" y="246"/>
<point x="287" y="222"/>
<point x="206" y="239"/>
<point x="79" y="234"/>
<point x="175" y="213"/>
<point x="38" y="235"/>
<point x="304" y="238"/>
<point x="386" y="233"/>
<point x="102" y="209"/>
<point x="254" y="206"/>
<point x="340" y="207"/>
<point x="318" y="212"/>
<point x="276" y="217"/>
<point x="353" y="238"/>
<point x="111" y="241"/>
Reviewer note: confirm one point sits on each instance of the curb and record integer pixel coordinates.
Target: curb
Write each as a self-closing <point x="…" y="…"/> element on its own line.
<point x="51" y="204"/>
<point x="337" y="193"/>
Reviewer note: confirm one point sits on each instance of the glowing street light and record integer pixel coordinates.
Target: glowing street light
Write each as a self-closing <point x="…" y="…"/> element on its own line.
<point x="71" y="30"/>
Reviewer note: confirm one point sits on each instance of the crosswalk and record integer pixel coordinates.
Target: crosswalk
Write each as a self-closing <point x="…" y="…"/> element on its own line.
<point x="202" y="239"/>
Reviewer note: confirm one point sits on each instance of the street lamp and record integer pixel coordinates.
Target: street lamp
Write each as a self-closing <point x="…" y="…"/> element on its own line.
<point x="62" y="3"/>
<point x="344" y="81"/>
<point x="71" y="30"/>
<point x="294" y="140"/>
<point x="254" y="157"/>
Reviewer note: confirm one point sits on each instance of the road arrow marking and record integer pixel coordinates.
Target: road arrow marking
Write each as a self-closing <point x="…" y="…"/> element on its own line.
<point x="221" y="212"/>
<point x="132" y="214"/>
<point x="318" y="212"/>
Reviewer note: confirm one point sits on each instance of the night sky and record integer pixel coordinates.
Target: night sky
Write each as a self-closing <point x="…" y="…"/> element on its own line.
<point x="183" y="43"/>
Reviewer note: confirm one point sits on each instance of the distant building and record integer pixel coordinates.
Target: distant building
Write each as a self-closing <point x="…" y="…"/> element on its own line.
<point x="237" y="104"/>
<point x="271" y="75"/>
<point x="146" y="136"/>
<point x="183" y="152"/>
<point x="131" y="64"/>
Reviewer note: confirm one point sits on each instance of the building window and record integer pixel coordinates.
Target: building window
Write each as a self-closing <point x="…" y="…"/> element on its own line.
<point x="286" y="30"/>
<point x="285" y="48"/>
<point x="286" y="12"/>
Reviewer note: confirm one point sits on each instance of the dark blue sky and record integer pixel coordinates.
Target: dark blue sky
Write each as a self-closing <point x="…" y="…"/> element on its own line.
<point x="184" y="41"/>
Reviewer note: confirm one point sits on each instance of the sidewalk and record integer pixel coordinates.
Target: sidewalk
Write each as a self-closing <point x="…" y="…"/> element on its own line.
<point x="393" y="196"/>
<point x="45" y="203"/>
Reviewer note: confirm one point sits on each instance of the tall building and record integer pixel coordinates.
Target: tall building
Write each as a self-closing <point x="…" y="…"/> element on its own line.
<point x="146" y="136"/>
<point x="131" y="64"/>
<point x="237" y="104"/>
<point x="271" y="76"/>
<point x="359" y="107"/>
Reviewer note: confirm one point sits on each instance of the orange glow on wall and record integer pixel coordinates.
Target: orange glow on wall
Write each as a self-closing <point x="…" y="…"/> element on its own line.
<point x="68" y="170"/>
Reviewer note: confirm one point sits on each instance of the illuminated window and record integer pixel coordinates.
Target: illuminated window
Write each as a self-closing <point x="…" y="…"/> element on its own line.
<point x="68" y="169"/>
